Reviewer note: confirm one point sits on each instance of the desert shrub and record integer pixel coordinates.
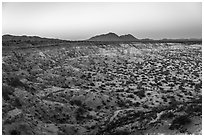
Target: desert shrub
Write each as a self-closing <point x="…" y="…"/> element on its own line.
<point x="130" y="96"/>
<point x="76" y="102"/>
<point x="6" y="91"/>
<point x="194" y="108"/>
<point x="179" y="122"/>
<point x="17" y="129"/>
<point x="168" y="115"/>
<point x="79" y="113"/>
<point x="121" y="132"/>
<point x="140" y="93"/>
<point x="136" y="104"/>
<point x="15" y="82"/>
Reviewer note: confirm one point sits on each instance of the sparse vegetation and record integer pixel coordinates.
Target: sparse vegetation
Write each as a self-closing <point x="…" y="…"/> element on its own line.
<point x="100" y="88"/>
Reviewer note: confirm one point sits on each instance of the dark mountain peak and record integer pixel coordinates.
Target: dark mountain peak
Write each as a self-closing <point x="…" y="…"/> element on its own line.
<point x="113" y="37"/>
<point x="128" y="37"/>
<point x="105" y="37"/>
<point x="111" y="33"/>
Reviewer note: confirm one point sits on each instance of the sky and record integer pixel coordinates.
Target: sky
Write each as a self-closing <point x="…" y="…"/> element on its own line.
<point x="79" y="21"/>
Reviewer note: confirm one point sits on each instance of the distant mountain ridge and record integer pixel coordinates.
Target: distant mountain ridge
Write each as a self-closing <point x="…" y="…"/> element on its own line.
<point x="113" y="37"/>
<point x="12" y="40"/>
<point x="27" y="41"/>
<point x="8" y="37"/>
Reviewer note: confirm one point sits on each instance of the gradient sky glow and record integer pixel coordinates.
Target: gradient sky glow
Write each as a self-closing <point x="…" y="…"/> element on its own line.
<point x="78" y="21"/>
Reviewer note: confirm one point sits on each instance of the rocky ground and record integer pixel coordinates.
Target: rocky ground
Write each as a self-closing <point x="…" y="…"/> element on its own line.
<point x="103" y="90"/>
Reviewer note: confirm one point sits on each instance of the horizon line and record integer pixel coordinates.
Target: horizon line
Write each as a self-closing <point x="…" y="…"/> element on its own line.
<point x="48" y="37"/>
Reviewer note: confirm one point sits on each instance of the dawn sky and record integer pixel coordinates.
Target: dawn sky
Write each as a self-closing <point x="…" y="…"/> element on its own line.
<point x="78" y="21"/>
